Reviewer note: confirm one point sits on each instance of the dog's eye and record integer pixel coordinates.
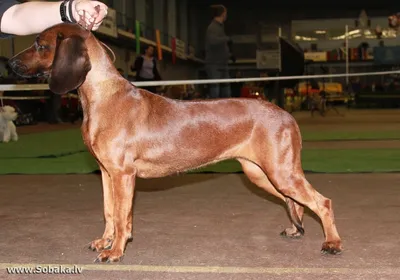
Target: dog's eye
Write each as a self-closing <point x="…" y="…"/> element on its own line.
<point x="40" y="47"/>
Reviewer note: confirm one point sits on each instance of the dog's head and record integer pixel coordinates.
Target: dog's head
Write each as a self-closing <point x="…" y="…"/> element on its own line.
<point x="58" y="53"/>
<point x="8" y="113"/>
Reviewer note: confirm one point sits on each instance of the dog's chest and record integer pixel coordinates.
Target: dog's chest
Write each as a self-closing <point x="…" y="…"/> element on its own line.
<point x="88" y="136"/>
<point x="94" y="140"/>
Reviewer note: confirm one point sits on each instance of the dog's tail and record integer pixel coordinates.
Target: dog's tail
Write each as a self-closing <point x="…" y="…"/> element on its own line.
<point x="294" y="216"/>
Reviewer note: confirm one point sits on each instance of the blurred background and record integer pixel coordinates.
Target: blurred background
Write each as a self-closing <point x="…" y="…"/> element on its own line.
<point x="269" y="39"/>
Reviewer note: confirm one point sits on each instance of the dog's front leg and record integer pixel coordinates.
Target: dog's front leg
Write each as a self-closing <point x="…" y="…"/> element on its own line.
<point x="13" y="133"/>
<point x="123" y="186"/>
<point x="6" y="135"/>
<point x="106" y="241"/>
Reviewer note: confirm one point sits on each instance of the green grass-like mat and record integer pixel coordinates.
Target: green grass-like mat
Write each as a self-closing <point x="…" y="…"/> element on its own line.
<point x="45" y="144"/>
<point x="64" y="142"/>
<point x="327" y="161"/>
<point x="63" y="152"/>
<point x="349" y="135"/>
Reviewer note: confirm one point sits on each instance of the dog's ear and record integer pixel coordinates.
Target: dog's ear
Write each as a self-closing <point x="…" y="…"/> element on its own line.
<point x="70" y="65"/>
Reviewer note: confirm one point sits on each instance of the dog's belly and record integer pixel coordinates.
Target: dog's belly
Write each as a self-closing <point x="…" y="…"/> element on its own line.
<point x="150" y="169"/>
<point x="181" y="153"/>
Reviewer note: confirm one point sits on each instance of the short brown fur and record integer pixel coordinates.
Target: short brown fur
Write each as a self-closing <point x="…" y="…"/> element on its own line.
<point x="134" y="133"/>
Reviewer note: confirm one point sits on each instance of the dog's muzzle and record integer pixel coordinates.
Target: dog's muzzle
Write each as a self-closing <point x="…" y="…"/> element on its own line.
<point x="18" y="67"/>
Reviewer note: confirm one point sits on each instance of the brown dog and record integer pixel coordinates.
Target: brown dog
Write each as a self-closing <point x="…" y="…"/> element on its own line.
<point x="134" y="133"/>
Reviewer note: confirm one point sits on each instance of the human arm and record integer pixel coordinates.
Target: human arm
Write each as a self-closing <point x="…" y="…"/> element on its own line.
<point x="230" y="47"/>
<point x="34" y="17"/>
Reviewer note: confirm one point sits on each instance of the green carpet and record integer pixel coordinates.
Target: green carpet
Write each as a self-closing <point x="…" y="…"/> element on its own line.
<point x="327" y="161"/>
<point x="63" y="152"/>
<point x="45" y="144"/>
<point x="349" y="135"/>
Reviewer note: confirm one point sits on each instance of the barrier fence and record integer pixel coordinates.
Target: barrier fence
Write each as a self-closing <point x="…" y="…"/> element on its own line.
<point x="381" y="90"/>
<point x="19" y="87"/>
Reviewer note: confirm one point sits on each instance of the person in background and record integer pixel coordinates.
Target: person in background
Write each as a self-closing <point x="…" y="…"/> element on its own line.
<point x="33" y="17"/>
<point x="146" y="68"/>
<point x="218" y="53"/>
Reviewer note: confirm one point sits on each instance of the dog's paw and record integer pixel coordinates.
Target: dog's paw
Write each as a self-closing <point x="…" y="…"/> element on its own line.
<point x="292" y="232"/>
<point x="289" y="233"/>
<point x="109" y="256"/>
<point x="100" y="244"/>
<point x="332" y="248"/>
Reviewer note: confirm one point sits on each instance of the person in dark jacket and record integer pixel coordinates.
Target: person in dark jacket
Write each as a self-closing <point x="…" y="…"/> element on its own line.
<point x="218" y="53"/>
<point x="146" y="68"/>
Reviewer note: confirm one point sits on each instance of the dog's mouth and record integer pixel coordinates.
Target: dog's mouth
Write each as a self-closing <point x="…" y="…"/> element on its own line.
<point x="42" y="75"/>
<point x="23" y="71"/>
<point x="19" y="69"/>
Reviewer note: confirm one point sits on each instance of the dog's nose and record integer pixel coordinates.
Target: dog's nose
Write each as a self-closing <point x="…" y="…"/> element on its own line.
<point x="17" y="66"/>
<point x="12" y="62"/>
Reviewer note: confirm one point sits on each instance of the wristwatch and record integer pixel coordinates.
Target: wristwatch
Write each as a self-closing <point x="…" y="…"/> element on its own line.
<point x="71" y="15"/>
<point x="63" y="11"/>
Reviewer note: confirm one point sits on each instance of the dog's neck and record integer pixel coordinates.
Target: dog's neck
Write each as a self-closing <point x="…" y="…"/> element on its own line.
<point x="103" y="79"/>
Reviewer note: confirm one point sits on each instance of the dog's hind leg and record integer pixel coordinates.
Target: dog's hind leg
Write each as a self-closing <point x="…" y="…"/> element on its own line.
<point x="106" y="241"/>
<point x="257" y="176"/>
<point x="294" y="231"/>
<point x="283" y="168"/>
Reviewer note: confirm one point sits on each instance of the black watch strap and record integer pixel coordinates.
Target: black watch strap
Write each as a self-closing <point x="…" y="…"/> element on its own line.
<point x="63" y="11"/>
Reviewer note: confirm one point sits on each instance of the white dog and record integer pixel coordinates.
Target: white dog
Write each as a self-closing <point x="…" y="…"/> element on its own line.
<point x="8" y="130"/>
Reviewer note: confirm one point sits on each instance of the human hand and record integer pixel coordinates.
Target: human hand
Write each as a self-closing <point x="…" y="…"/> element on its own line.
<point x="87" y="8"/>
